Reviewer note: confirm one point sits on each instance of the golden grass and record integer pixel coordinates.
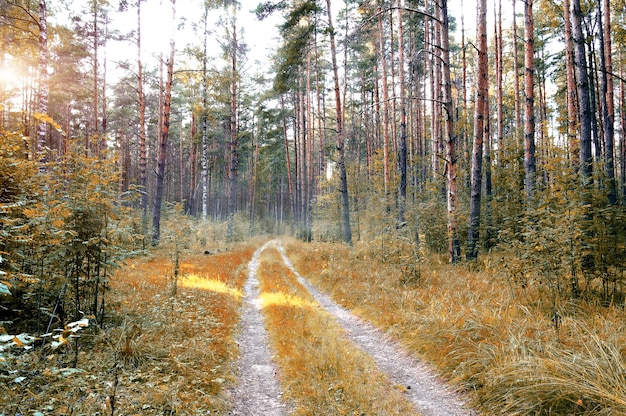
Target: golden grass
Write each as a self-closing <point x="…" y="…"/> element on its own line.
<point x="212" y="285"/>
<point x="184" y="347"/>
<point x="321" y="372"/>
<point x="158" y="354"/>
<point x="496" y="341"/>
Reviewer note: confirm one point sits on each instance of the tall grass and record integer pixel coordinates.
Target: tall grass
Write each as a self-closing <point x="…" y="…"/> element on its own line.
<point x="504" y="344"/>
<point x="181" y="347"/>
<point x="321" y="372"/>
<point x="160" y="351"/>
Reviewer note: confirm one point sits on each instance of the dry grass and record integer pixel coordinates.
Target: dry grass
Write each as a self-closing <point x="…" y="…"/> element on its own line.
<point x="159" y="353"/>
<point x="497" y="341"/>
<point x="321" y="372"/>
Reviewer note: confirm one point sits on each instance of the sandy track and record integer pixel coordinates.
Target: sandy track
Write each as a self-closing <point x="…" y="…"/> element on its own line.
<point x="257" y="391"/>
<point x="430" y="395"/>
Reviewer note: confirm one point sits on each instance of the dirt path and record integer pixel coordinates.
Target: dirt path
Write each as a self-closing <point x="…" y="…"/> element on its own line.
<point x="426" y="390"/>
<point x="257" y="391"/>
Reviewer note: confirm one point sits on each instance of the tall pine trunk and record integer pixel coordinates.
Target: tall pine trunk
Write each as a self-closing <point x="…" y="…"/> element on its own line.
<point x="584" y="98"/>
<point x="42" y="104"/>
<point x="341" y="163"/>
<point x="234" y="139"/>
<point x="480" y="115"/>
<point x="163" y="139"/>
<point x="572" y="111"/>
<point x="606" y="98"/>
<point x="204" y="177"/>
<point x="530" y="166"/>
<point x="143" y="159"/>
<point x="402" y="150"/>
<point x="454" y="246"/>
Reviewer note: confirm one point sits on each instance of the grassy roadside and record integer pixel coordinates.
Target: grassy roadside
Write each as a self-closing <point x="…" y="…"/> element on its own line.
<point x="498" y="342"/>
<point x="321" y="373"/>
<point x="161" y="352"/>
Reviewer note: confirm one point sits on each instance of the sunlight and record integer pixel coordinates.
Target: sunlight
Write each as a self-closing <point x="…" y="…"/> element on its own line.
<point x="196" y="282"/>
<point x="281" y="299"/>
<point x="8" y="77"/>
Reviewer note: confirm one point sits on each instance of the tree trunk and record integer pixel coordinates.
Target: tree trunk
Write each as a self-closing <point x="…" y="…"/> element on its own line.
<point x="530" y="166"/>
<point x="234" y="139"/>
<point x="42" y="104"/>
<point x="622" y="143"/>
<point x="193" y="164"/>
<point x="572" y="111"/>
<point x="480" y="113"/>
<point x="454" y="247"/>
<point x="385" y="106"/>
<point x="402" y="148"/>
<point x="163" y="140"/>
<point x="288" y="159"/>
<point x="606" y="98"/>
<point x="95" y="40"/>
<point x="341" y="163"/>
<point x="143" y="159"/>
<point x="499" y="95"/>
<point x="204" y="163"/>
<point x="518" y="109"/>
<point x="584" y="99"/>
<point x="252" y="184"/>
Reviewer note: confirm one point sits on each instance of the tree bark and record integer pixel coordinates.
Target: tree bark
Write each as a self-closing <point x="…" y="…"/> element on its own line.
<point x="292" y="195"/>
<point x="480" y="113"/>
<point x="530" y="166"/>
<point x="584" y="99"/>
<point x="385" y="106"/>
<point x="402" y="148"/>
<point x="234" y="139"/>
<point x="572" y="110"/>
<point x="454" y="246"/>
<point x="622" y="143"/>
<point x="341" y="163"/>
<point x="95" y="43"/>
<point x="42" y="104"/>
<point x="518" y="109"/>
<point x="163" y="139"/>
<point x="499" y="77"/>
<point x="143" y="160"/>
<point x="204" y="163"/>
<point x="606" y="98"/>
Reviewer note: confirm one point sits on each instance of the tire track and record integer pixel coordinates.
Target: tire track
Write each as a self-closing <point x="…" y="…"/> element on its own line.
<point x="429" y="394"/>
<point x="257" y="391"/>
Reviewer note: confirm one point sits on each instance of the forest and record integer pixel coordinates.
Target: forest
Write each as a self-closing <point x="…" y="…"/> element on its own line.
<point x="407" y="150"/>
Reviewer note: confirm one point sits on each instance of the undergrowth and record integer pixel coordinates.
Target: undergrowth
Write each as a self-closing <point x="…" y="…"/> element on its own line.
<point x="504" y="344"/>
<point x="321" y="372"/>
<point x="167" y="346"/>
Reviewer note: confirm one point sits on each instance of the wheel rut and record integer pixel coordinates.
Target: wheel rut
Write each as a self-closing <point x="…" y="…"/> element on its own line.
<point x="258" y="391"/>
<point x="427" y="391"/>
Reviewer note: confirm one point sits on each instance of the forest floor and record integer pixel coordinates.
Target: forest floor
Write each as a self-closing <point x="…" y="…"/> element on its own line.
<point x="236" y="331"/>
<point x="292" y="328"/>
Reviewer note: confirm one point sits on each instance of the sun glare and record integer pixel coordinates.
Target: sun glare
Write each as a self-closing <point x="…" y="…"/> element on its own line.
<point x="282" y="299"/>
<point x="7" y="76"/>
<point x="197" y="282"/>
